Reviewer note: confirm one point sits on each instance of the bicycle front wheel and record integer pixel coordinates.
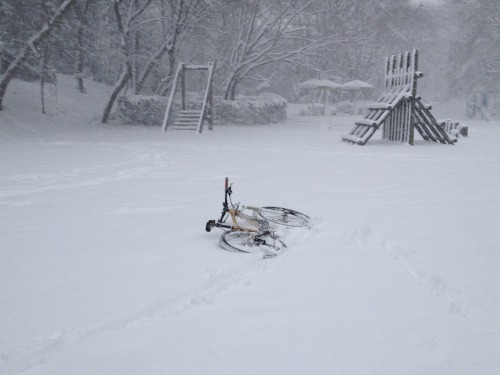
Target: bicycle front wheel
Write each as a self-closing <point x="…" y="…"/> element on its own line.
<point x="250" y="242"/>
<point x="285" y="216"/>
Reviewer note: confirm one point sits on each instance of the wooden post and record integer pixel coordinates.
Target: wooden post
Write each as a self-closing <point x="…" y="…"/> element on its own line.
<point x="183" y="87"/>
<point x="211" y="98"/>
<point x="210" y="112"/>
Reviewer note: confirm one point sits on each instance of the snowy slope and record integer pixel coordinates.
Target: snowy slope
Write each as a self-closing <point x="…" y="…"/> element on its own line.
<point x="105" y="267"/>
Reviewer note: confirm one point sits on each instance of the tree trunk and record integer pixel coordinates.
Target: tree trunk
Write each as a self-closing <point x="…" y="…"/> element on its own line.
<point x="128" y="64"/>
<point x="155" y="60"/>
<point x="81" y="51"/>
<point x="133" y="53"/>
<point x="79" y="74"/>
<point x="230" y="93"/>
<point x="21" y="57"/>
<point x="122" y="82"/>
<point x="171" y="71"/>
<point x="135" y="62"/>
<point x="25" y="52"/>
<point x="43" y="69"/>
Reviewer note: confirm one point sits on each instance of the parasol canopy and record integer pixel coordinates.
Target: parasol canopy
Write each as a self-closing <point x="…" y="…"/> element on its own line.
<point x="356" y="85"/>
<point x="319" y="84"/>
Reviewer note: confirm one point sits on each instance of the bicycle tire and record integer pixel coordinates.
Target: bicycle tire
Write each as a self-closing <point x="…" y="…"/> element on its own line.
<point x="250" y="242"/>
<point x="285" y="216"/>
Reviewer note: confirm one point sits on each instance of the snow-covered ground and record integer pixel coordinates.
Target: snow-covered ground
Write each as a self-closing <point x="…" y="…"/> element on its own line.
<point x="106" y="268"/>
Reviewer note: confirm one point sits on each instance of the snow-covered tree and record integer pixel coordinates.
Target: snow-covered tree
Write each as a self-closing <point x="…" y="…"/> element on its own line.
<point x="128" y="18"/>
<point x="137" y="44"/>
<point x="30" y="45"/>
<point x="149" y="31"/>
<point x="177" y="19"/>
<point x="257" y="33"/>
<point x="475" y="45"/>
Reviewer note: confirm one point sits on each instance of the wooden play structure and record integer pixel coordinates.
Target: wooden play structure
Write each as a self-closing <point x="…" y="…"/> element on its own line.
<point x="399" y="111"/>
<point x="190" y="118"/>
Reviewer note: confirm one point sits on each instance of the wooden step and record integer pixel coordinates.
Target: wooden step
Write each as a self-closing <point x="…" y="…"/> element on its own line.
<point x="184" y="127"/>
<point x="187" y="120"/>
<point x="189" y="115"/>
<point x="352" y="139"/>
<point x="189" y="112"/>
<point x="366" y="122"/>
<point x="379" y="106"/>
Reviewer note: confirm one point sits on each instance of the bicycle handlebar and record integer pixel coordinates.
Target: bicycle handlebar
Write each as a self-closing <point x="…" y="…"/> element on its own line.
<point x="225" y="205"/>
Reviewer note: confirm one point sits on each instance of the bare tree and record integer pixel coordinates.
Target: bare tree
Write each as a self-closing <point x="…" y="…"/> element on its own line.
<point x="268" y="32"/>
<point x="83" y="29"/>
<point x="32" y="44"/>
<point x="132" y="13"/>
<point x="254" y="40"/>
<point x="168" y="21"/>
<point x="177" y="19"/>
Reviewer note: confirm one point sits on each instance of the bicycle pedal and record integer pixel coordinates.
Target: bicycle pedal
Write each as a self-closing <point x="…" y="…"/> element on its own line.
<point x="269" y="256"/>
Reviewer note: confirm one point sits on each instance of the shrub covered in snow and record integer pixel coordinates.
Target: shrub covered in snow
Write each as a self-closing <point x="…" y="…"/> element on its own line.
<point x="265" y="109"/>
<point x="149" y="110"/>
<point x="141" y="110"/>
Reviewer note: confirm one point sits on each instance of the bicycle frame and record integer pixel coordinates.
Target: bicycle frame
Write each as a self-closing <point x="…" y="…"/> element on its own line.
<point x="229" y="210"/>
<point x="263" y="228"/>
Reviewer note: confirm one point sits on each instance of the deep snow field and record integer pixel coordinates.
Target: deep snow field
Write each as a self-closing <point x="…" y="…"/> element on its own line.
<point x="106" y="268"/>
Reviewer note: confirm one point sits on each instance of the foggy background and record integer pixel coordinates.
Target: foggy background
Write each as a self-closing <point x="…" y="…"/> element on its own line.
<point x="271" y="45"/>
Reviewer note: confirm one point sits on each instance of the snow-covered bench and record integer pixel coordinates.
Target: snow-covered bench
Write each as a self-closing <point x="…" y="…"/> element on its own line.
<point x="454" y="128"/>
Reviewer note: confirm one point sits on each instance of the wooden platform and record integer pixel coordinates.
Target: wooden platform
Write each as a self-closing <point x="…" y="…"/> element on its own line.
<point x="399" y="111"/>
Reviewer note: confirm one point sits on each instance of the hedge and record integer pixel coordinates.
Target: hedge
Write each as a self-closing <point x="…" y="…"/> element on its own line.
<point x="149" y="110"/>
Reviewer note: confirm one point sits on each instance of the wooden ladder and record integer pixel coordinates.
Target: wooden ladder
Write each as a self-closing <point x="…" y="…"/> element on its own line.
<point x="190" y="119"/>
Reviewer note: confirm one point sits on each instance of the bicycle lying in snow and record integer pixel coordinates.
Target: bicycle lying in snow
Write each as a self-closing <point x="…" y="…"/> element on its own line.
<point x="254" y="228"/>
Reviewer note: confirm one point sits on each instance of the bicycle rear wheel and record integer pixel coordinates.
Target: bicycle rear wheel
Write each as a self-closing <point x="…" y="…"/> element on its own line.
<point x="250" y="242"/>
<point x="285" y="216"/>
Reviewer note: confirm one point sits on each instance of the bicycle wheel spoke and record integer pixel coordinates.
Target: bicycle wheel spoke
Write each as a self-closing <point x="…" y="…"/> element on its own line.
<point x="285" y="216"/>
<point x="250" y="242"/>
